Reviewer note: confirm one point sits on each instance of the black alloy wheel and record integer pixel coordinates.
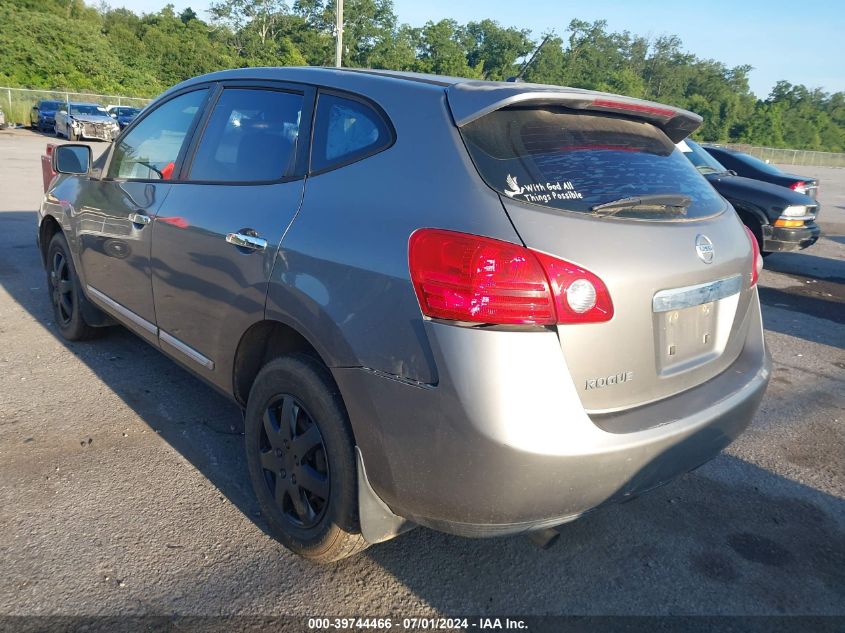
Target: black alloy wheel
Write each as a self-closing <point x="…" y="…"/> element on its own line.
<point x="300" y="453"/>
<point x="66" y="295"/>
<point x="294" y="462"/>
<point x="61" y="285"/>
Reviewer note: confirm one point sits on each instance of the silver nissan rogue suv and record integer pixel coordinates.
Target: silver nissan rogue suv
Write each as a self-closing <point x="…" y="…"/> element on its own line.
<point x="482" y="307"/>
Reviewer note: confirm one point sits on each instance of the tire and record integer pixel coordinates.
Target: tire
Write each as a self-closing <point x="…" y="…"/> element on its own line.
<point x="66" y="292"/>
<point x="295" y="406"/>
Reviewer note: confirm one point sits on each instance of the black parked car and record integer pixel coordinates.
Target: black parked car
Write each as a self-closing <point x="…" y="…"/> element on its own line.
<point x="750" y="166"/>
<point x="781" y="220"/>
<point x="43" y="115"/>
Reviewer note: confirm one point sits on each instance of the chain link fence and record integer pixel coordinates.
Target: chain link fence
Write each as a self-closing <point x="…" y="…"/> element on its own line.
<point x="790" y="156"/>
<point x="17" y="103"/>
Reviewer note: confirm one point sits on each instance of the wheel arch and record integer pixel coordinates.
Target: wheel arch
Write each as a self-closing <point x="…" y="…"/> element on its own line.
<point x="262" y="342"/>
<point x="748" y="210"/>
<point x="48" y="228"/>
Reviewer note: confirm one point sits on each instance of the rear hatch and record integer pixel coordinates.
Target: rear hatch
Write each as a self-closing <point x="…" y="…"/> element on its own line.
<point x="674" y="256"/>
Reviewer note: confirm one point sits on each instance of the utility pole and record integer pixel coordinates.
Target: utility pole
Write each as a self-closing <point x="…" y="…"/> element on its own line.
<point x="338" y="51"/>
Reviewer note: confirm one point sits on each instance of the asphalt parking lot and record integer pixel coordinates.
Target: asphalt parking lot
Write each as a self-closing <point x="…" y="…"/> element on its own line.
<point x="123" y="488"/>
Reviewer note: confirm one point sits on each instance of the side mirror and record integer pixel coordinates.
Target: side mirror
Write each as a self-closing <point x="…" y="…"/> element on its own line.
<point x="72" y="159"/>
<point x="113" y="115"/>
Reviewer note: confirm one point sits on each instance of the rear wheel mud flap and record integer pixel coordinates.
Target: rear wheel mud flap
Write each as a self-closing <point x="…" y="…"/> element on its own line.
<point x="378" y="523"/>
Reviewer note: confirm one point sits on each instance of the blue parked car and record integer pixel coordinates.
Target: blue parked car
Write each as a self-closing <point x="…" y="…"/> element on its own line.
<point x="43" y="115"/>
<point x="123" y="114"/>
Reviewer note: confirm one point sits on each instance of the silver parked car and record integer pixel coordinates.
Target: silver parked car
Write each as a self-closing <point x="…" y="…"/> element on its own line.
<point x="85" y="121"/>
<point x="486" y="308"/>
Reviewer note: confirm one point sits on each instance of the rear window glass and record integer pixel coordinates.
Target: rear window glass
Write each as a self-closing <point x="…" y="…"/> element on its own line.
<point x="575" y="161"/>
<point x="756" y="163"/>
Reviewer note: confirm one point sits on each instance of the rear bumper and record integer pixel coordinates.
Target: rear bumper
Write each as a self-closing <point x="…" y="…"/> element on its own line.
<point x="502" y="444"/>
<point x="779" y="239"/>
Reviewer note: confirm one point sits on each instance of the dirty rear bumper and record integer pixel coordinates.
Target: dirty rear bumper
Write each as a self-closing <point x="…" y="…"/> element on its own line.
<point x="502" y="444"/>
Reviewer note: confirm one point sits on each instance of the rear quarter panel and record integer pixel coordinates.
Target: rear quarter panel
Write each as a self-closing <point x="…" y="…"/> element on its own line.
<point x="341" y="275"/>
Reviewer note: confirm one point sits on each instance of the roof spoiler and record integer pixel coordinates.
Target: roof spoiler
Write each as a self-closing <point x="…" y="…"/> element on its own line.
<point x="471" y="100"/>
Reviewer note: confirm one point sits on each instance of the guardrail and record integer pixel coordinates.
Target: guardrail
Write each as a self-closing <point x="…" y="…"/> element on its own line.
<point x="790" y="156"/>
<point x="17" y="102"/>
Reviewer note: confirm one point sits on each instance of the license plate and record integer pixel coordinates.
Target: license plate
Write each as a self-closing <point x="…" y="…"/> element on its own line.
<point x="688" y="328"/>
<point x="687" y="337"/>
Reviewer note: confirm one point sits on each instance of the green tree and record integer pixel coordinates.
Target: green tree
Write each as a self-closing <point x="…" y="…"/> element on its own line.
<point x="496" y="48"/>
<point x="67" y="44"/>
<point x="548" y="66"/>
<point x="443" y="48"/>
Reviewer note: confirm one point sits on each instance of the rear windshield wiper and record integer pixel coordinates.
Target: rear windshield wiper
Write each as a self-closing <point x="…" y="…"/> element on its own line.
<point x="664" y="200"/>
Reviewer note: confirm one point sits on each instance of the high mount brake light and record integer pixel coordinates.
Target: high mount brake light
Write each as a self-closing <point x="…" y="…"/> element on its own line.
<point x="756" y="259"/>
<point x="462" y="277"/>
<point x="639" y="108"/>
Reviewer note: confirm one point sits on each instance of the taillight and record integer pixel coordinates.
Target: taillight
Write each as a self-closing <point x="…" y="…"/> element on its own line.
<point x="462" y="277"/>
<point x="580" y="296"/>
<point x="756" y="258"/>
<point x="800" y="186"/>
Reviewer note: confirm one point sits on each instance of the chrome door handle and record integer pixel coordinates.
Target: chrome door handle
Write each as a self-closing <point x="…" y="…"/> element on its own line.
<point x="251" y="242"/>
<point x="139" y="218"/>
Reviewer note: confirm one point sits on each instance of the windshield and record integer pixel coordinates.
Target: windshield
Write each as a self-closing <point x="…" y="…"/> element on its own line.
<point x="51" y="105"/>
<point x="703" y="161"/>
<point x="93" y="110"/>
<point x="128" y="111"/>
<point x="576" y="161"/>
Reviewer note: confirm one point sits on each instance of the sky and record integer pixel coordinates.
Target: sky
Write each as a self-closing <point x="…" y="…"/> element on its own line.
<point x="801" y="42"/>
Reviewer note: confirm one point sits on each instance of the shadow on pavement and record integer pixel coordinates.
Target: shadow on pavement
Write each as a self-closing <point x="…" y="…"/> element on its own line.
<point x="804" y="303"/>
<point x="803" y="265"/>
<point x="168" y="398"/>
<point x="700" y="545"/>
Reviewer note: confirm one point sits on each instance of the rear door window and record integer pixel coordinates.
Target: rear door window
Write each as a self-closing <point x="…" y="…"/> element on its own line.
<point x="575" y="161"/>
<point x="251" y="136"/>
<point x="346" y="130"/>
